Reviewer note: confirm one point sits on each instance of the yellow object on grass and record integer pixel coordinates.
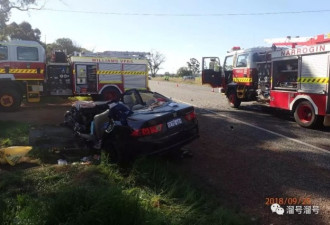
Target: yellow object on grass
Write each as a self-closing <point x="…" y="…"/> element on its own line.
<point x="13" y="154"/>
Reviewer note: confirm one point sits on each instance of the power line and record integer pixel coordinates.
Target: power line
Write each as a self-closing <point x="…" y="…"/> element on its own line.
<point x="188" y="14"/>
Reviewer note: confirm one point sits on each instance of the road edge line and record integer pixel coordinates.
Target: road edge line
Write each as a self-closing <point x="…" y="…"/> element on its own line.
<point x="260" y="128"/>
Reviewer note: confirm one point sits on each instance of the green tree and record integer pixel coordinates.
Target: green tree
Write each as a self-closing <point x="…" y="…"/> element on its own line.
<point x="5" y="8"/>
<point x="63" y="44"/>
<point x="184" y="71"/>
<point x="155" y="59"/>
<point x="7" y="5"/>
<point x="194" y="66"/>
<point x="22" y="31"/>
<point x="66" y="44"/>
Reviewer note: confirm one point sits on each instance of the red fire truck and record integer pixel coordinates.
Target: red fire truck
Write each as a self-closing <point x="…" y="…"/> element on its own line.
<point x="25" y="73"/>
<point x="295" y="78"/>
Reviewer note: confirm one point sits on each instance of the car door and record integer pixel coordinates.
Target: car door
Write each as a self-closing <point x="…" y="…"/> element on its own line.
<point x="228" y="69"/>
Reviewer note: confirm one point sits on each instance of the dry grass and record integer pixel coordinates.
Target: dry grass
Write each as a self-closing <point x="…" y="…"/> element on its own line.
<point x="197" y="81"/>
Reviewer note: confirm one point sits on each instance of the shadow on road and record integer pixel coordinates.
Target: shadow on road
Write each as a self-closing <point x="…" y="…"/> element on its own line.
<point x="243" y="167"/>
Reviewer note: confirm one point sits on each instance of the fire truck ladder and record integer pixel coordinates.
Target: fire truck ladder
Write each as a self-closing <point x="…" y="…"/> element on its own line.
<point x="32" y="91"/>
<point x="299" y="41"/>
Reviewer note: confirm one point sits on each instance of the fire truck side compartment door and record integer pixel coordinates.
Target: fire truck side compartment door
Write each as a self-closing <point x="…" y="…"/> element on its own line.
<point x="86" y="78"/>
<point x="110" y="73"/>
<point x="314" y="73"/>
<point x="59" y="79"/>
<point x="135" y="76"/>
<point x="211" y="71"/>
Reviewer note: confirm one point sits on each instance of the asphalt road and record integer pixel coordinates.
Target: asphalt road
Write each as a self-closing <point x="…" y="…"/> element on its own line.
<point x="248" y="155"/>
<point x="255" y="123"/>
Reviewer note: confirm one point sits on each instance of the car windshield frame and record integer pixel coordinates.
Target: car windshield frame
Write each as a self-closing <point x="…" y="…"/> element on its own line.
<point x="155" y="99"/>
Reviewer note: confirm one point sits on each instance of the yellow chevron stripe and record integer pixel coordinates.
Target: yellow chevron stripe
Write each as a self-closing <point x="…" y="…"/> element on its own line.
<point x="106" y="72"/>
<point x="22" y="70"/>
<point x="118" y="72"/>
<point x="2" y="70"/>
<point x="313" y="80"/>
<point x="134" y="72"/>
<point x="242" y="79"/>
<point x="28" y="79"/>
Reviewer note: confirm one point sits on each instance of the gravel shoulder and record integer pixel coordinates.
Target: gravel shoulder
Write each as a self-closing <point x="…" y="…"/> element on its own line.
<point x="37" y="114"/>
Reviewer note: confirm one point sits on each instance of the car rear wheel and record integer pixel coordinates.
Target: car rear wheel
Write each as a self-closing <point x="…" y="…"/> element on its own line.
<point x="10" y="100"/>
<point x="233" y="101"/>
<point x="116" y="149"/>
<point x="116" y="154"/>
<point x="305" y="116"/>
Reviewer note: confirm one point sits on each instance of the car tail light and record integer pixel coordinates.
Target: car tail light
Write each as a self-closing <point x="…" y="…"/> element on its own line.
<point x="190" y="116"/>
<point x="147" y="131"/>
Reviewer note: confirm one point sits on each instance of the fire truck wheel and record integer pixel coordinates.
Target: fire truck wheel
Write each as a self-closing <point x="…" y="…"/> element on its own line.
<point x="305" y="116"/>
<point x="233" y="101"/>
<point x="96" y="97"/>
<point x="10" y="100"/>
<point x="110" y="93"/>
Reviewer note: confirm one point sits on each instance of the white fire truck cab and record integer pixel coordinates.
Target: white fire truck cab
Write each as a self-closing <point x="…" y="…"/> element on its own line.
<point x="295" y="79"/>
<point x="238" y="76"/>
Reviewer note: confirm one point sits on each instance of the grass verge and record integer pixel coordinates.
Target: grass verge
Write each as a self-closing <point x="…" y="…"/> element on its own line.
<point x="13" y="133"/>
<point x="197" y="81"/>
<point x="152" y="191"/>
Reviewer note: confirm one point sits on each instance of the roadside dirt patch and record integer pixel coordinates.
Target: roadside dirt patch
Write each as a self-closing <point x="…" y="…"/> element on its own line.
<point x="37" y="114"/>
<point x="51" y="136"/>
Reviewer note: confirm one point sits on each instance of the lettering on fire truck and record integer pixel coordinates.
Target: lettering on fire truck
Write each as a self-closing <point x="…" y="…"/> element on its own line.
<point x="304" y="50"/>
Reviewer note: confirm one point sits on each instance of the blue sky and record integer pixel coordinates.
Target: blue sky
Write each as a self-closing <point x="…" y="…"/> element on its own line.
<point x="179" y="38"/>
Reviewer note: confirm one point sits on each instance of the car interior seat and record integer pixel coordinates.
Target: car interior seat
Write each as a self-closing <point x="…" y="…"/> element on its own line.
<point x="131" y="104"/>
<point x="128" y="101"/>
